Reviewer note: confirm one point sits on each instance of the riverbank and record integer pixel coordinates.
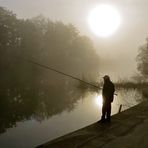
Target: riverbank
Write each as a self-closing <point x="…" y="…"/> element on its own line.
<point x="127" y="129"/>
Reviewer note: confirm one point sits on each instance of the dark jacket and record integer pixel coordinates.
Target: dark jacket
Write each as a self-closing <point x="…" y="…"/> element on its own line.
<point x="108" y="91"/>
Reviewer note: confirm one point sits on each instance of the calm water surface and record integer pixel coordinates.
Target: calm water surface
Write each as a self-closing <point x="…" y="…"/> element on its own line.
<point x="46" y="120"/>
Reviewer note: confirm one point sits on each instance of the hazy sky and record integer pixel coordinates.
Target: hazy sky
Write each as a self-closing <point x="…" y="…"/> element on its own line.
<point x="120" y="49"/>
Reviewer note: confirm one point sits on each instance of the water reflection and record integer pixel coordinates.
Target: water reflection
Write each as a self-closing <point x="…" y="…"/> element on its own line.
<point x="98" y="100"/>
<point x="39" y="102"/>
<point x="32" y="105"/>
<point x="20" y="104"/>
<point x="125" y="97"/>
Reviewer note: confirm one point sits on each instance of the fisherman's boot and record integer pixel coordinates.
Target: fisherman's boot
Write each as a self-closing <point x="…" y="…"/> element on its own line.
<point x="108" y="119"/>
<point x="102" y="119"/>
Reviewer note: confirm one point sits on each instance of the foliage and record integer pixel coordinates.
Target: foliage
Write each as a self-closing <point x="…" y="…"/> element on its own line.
<point x="142" y="60"/>
<point x="28" y="91"/>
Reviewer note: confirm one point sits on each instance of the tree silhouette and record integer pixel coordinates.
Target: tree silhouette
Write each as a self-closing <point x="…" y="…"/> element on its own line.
<point x="142" y="60"/>
<point x="28" y="91"/>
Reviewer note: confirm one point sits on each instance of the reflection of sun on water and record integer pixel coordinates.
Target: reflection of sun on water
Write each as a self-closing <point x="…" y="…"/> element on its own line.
<point x="99" y="100"/>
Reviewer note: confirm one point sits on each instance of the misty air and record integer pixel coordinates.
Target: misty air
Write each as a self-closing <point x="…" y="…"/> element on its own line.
<point x="73" y="74"/>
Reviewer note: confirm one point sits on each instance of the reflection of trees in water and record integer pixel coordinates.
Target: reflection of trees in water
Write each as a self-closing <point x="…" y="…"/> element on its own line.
<point x="129" y="96"/>
<point x="36" y="102"/>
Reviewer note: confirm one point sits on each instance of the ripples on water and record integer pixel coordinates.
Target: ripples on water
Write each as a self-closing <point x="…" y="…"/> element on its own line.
<point x="29" y="117"/>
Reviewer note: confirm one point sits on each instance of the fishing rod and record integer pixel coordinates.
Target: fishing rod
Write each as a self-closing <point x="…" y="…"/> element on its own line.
<point x="57" y="71"/>
<point x="65" y="74"/>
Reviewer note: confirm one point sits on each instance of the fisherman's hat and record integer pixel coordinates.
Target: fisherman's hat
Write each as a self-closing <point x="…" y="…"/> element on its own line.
<point x="106" y="77"/>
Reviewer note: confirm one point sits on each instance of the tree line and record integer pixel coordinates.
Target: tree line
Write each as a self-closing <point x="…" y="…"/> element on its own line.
<point x="28" y="91"/>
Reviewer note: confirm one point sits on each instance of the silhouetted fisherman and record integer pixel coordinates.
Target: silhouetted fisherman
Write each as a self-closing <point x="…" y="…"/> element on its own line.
<point x="108" y="96"/>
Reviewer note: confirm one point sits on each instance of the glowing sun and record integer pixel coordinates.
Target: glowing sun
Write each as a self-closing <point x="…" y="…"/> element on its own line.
<point x="104" y="20"/>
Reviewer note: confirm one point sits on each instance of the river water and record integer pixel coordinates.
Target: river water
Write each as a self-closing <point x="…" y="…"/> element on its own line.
<point x="26" y="124"/>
